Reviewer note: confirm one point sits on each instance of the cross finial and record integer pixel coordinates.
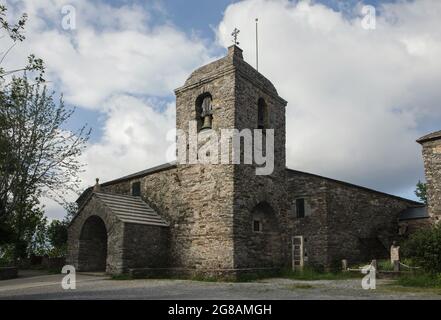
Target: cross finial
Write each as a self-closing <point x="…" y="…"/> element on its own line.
<point x="235" y="34"/>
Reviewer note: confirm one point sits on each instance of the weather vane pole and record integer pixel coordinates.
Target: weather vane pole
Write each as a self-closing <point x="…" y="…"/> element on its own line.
<point x="235" y="34"/>
<point x="257" y="46"/>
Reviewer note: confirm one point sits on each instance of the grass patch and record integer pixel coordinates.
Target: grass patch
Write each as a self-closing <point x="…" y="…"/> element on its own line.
<point x="300" y="286"/>
<point x="306" y="274"/>
<point x="203" y="278"/>
<point x="54" y="270"/>
<point x="421" y="280"/>
<point x="384" y="265"/>
<point x="123" y="276"/>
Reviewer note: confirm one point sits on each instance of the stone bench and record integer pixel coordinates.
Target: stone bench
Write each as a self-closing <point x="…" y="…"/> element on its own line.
<point x="8" y="273"/>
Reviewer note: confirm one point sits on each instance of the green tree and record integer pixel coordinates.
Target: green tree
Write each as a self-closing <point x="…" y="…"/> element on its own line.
<point x="15" y="32"/>
<point x="57" y="236"/>
<point x="42" y="157"/>
<point x="424" y="248"/>
<point x="421" y="191"/>
<point x="38" y="156"/>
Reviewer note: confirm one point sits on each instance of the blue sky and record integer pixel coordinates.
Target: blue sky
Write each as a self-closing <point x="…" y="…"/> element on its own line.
<point x="357" y="99"/>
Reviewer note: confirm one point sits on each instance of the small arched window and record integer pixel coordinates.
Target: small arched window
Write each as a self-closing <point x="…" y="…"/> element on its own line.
<point x="262" y="114"/>
<point x="204" y="111"/>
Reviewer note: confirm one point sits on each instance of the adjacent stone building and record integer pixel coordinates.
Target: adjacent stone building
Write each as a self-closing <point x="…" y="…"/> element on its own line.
<point x="432" y="163"/>
<point x="223" y="219"/>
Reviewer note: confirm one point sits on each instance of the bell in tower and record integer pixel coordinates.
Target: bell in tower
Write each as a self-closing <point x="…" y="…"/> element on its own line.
<point x="207" y="113"/>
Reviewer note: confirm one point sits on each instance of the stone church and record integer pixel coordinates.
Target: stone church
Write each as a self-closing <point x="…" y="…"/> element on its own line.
<point x="224" y="220"/>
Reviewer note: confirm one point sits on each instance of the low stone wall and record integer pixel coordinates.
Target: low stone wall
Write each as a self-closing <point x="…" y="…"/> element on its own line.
<point x="8" y="273"/>
<point x="53" y="263"/>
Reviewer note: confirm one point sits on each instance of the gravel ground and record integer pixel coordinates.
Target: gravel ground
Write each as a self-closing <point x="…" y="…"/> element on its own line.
<point x="97" y="286"/>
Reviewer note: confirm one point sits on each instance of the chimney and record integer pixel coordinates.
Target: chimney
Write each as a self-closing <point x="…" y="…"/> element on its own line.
<point x="431" y="144"/>
<point x="97" y="187"/>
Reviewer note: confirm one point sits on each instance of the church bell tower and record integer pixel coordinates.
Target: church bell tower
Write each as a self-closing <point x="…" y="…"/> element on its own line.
<point x="231" y="94"/>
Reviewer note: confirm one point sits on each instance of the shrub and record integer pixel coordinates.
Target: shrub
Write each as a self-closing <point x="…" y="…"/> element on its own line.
<point x="424" y="248"/>
<point x="420" y="280"/>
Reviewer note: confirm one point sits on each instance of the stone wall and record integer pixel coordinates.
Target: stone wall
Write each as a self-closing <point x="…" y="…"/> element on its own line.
<point x="314" y="227"/>
<point x="145" y="246"/>
<point x="432" y="166"/>
<point x="265" y="249"/>
<point x="8" y="273"/>
<point x="203" y="227"/>
<point x="361" y="223"/>
<point x="115" y="236"/>
<point x="346" y="221"/>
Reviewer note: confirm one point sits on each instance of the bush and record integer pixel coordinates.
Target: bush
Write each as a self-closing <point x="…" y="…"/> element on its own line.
<point x="420" y="280"/>
<point x="424" y="248"/>
<point x="384" y="265"/>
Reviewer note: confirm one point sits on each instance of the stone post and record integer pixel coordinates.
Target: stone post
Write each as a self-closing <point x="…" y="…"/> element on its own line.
<point x="396" y="265"/>
<point x="344" y="265"/>
<point x="394" y="253"/>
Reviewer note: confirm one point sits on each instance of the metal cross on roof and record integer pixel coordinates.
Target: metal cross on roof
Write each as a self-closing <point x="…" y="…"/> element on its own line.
<point x="234" y="34"/>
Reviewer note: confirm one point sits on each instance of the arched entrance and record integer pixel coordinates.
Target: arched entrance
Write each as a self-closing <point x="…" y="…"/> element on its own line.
<point x="92" y="253"/>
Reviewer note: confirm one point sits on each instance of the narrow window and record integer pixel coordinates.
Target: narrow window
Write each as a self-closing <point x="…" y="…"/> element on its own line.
<point x="300" y="208"/>
<point x="136" y="189"/>
<point x="262" y="114"/>
<point x="257" y="226"/>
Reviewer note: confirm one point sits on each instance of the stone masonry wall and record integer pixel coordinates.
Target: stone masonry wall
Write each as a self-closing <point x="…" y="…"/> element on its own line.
<point x="266" y="249"/>
<point x="432" y="165"/>
<point x="345" y="221"/>
<point x="313" y="227"/>
<point x="145" y="246"/>
<point x="361" y="223"/>
<point x="204" y="231"/>
<point x="115" y="235"/>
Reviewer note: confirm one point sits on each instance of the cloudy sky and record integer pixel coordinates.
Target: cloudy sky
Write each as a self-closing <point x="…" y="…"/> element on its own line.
<point x="357" y="98"/>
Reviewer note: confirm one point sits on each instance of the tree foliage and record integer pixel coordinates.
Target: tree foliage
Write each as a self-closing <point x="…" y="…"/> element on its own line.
<point x="57" y="236"/>
<point x="424" y="248"/>
<point x="421" y="191"/>
<point x="15" y="31"/>
<point x="38" y="156"/>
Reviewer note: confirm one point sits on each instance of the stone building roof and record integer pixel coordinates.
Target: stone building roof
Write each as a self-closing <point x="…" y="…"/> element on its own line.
<point x="414" y="213"/>
<point x="130" y="209"/>
<point x="142" y="173"/>
<point x="431" y="136"/>
<point x="232" y="62"/>
<point x="416" y="203"/>
<point x="166" y="166"/>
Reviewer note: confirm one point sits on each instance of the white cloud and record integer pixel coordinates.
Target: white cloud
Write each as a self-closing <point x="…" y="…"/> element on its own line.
<point x="111" y="51"/>
<point x="114" y="62"/>
<point x="133" y="139"/>
<point x="357" y="99"/>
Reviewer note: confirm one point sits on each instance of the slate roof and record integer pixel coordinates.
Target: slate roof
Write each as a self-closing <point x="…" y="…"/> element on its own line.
<point x="414" y="213"/>
<point x="412" y="202"/>
<point x="130" y="209"/>
<point x="431" y="136"/>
